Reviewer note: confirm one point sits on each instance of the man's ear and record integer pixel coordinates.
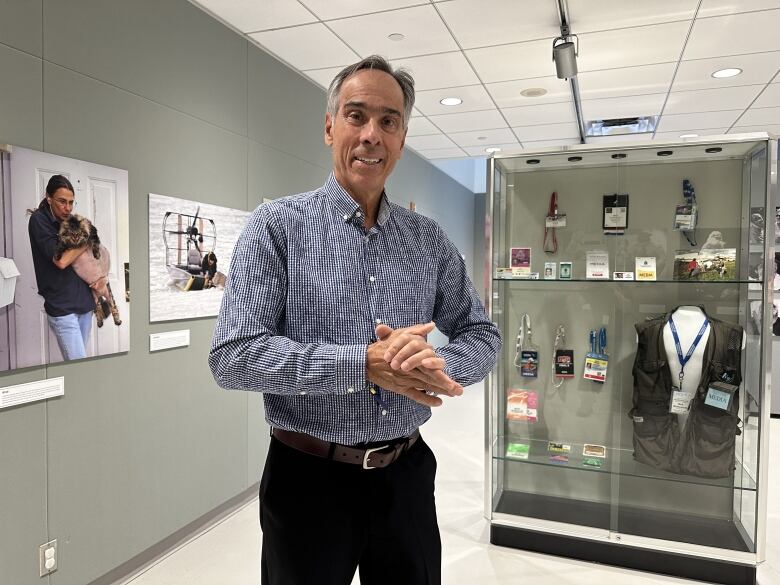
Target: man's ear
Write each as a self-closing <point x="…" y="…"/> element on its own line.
<point x="328" y="129"/>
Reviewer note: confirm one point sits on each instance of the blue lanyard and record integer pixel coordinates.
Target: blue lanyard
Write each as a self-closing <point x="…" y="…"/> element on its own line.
<point x="684" y="360"/>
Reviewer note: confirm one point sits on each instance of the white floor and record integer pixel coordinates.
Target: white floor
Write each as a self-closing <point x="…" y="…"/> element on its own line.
<point x="228" y="553"/>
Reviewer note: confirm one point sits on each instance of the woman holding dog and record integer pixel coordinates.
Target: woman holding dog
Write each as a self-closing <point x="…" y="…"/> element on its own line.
<point x="67" y="299"/>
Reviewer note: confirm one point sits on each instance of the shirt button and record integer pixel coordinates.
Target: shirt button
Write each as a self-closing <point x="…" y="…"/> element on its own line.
<point x="303" y="392"/>
<point x="350" y="389"/>
<point x="384" y="413"/>
<point x="346" y="217"/>
<point x="359" y="214"/>
<point x="371" y="278"/>
<point x="378" y="321"/>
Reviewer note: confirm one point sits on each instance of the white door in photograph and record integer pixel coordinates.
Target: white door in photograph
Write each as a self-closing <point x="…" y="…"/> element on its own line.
<point x="101" y="193"/>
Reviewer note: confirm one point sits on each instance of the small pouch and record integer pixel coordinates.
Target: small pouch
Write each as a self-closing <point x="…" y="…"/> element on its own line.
<point x="721" y="395"/>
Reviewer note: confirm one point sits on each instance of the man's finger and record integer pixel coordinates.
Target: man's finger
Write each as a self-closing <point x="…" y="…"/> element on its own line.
<point x="436" y="380"/>
<point x="413" y="347"/>
<point x="422" y="397"/>
<point x="382" y="331"/>
<point x="415" y="360"/>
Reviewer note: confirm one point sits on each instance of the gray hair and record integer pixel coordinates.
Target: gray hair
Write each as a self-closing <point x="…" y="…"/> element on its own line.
<point x="402" y="76"/>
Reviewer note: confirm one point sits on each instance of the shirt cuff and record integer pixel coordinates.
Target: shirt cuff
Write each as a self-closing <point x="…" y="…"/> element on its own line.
<point x="350" y="369"/>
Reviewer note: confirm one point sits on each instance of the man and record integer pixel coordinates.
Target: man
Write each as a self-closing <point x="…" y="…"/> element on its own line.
<point x="331" y="296"/>
<point x="67" y="299"/>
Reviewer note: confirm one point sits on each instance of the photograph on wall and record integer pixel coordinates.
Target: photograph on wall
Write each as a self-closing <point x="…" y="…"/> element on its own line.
<point x="65" y="246"/>
<point x="720" y="264"/>
<point x="190" y="248"/>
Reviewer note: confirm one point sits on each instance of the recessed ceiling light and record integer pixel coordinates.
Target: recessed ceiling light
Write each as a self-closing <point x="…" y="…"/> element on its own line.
<point x="665" y="152"/>
<point x="533" y="92"/>
<point x="713" y="149"/>
<point x="574" y="159"/>
<point x="532" y="161"/>
<point x="619" y="155"/>
<point x="451" y="101"/>
<point x="396" y="37"/>
<point x="481" y="137"/>
<point x="492" y="149"/>
<point x="730" y="72"/>
<point x="689" y="135"/>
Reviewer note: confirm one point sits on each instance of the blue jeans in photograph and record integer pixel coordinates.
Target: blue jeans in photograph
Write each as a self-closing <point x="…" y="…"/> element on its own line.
<point x="72" y="332"/>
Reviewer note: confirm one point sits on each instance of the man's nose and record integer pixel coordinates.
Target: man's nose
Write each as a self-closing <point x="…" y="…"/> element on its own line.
<point x="371" y="132"/>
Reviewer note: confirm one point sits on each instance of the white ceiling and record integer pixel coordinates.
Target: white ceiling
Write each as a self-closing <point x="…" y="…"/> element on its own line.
<point x="636" y="59"/>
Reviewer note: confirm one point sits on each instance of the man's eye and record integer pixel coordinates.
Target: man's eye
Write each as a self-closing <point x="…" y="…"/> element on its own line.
<point x="354" y="116"/>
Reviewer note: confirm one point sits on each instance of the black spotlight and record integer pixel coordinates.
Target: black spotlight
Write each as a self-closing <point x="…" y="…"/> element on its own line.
<point x="665" y="152"/>
<point x="713" y="149"/>
<point x="574" y="159"/>
<point x="619" y="155"/>
<point x="532" y="161"/>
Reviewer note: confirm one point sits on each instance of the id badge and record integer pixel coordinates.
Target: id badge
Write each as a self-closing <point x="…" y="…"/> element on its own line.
<point x="564" y="363"/>
<point x="720" y="395"/>
<point x="596" y="367"/>
<point x="529" y="363"/>
<point x="680" y="401"/>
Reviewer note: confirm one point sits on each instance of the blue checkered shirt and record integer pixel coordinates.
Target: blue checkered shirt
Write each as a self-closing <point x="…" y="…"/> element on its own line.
<point x="307" y="286"/>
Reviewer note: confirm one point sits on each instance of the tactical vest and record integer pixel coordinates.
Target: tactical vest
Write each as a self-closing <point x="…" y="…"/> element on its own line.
<point x="705" y="446"/>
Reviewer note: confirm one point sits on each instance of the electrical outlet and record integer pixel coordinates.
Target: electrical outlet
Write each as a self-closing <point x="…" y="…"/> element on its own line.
<point x="47" y="558"/>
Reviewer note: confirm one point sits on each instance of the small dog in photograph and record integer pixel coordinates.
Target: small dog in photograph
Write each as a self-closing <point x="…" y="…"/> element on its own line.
<point x="92" y="265"/>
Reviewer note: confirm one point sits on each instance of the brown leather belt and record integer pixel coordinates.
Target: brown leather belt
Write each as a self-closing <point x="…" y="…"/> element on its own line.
<point x="369" y="458"/>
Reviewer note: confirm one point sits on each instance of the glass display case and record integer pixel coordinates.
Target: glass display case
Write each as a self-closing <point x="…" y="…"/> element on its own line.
<point x="614" y="270"/>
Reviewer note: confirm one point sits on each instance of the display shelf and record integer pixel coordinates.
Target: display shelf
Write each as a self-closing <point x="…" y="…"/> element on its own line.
<point x="617" y="462"/>
<point x="604" y="281"/>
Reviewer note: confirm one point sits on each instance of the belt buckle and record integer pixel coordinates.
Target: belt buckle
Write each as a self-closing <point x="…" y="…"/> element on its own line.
<point x="368" y="454"/>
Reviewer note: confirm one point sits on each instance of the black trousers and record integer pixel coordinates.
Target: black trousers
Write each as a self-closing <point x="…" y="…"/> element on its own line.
<point x="322" y="519"/>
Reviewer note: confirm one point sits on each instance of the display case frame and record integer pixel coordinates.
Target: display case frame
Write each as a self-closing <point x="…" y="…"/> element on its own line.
<point x="570" y="530"/>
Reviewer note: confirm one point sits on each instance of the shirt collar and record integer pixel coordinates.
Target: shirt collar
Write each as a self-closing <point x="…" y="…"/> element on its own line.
<point x="347" y="207"/>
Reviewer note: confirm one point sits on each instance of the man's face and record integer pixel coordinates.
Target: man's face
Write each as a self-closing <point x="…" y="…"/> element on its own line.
<point x="367" y="134"/>
<point x="61" y="203"/>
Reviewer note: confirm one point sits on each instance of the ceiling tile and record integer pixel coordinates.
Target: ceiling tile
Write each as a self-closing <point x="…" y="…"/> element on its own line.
<point x="416" y="112"/>
<point x="250" y="15"/>
<point x="645" y="79"/>
<point x="735" y="34"/>
<point x="773" y="128"/>
<point x="479" y="23"/>
<point x="660" y="43"/>
<point x="467" y="121"/>
<point x="676" y="136"/>
<point x="443" y="153"/>
<point x="673" y="123"/>
<point x="421" y="127"/>
<point x="756" y="68"/>
<point x="711" y="100"/>
<point x="437" y="71"/>
<point x="547" y="132"/>
<point x="424" y="31"/>
<point x="311" y="46"/>
<point x="505" y="147"/>
<point x="328" y="9"/>
<point x="483" y="138"/>
<point x="323" y="77"/>
<point x="769" y="98"/>
<point x="474" y="98"/>
<point x="760" y="117"/>
<point x="539" y="144"/>
<point x="720" y="7"/>
<point x="623" y="107"/>
<point x="543" y="114"/>
<point x="429" y="142"/>
<point x="507" y="93"/>
<point x="517" y="61"/>
<point x="587" y="16"/>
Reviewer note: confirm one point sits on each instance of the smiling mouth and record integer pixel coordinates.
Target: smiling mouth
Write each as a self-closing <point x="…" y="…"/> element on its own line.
<point x="368" y="161"/>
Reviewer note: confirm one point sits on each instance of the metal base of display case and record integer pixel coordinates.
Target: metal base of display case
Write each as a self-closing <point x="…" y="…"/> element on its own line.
<point x="697" y="568"/>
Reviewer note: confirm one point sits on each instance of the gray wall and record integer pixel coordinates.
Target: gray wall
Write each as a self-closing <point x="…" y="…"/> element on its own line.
<point x="142" y="444"/>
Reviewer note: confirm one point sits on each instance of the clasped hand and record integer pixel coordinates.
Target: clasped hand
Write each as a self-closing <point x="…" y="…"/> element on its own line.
<point x="403" y="362"/>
